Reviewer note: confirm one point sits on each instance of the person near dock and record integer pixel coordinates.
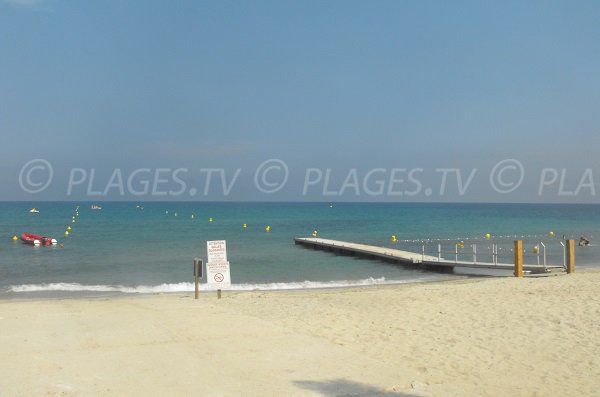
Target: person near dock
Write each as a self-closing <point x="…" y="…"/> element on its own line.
<point x="583" y="242"/>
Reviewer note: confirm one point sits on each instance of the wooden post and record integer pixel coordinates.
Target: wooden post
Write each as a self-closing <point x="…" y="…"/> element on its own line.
<point x="518" y="250"/>
<point x="570" y="256"/>
<point x="218" y="294"/>
<point x="197" y="274"/>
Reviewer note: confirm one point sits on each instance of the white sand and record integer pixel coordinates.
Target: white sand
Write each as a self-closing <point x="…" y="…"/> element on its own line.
<point x="485" y="337"/>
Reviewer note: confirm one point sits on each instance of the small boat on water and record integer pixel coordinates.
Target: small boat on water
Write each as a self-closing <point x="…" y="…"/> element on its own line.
<point x="34" y="210"/>
<point x="96" y="207"/>
<point x="34" y="239"/>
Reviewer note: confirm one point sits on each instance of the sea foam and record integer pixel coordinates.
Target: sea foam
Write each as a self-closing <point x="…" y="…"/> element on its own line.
<point x="189" y="287"/>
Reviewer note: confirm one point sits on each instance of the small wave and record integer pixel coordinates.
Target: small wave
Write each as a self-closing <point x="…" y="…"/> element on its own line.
<point x="189" y="287"/>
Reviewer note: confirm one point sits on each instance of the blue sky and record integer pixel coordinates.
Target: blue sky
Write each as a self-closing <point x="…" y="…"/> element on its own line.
<point x="318" y="84"/>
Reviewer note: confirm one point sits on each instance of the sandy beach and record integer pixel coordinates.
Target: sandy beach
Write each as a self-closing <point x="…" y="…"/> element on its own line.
<point x="473" y="337"/>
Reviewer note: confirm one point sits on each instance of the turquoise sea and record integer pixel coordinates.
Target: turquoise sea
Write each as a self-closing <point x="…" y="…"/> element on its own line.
<point x="149" y="247"/>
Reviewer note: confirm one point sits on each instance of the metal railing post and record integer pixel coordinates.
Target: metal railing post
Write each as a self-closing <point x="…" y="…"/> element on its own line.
<point x="497" y="254"/>
<point x="544" y="248"/>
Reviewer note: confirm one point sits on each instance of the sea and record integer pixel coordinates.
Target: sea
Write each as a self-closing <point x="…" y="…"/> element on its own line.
<point x="149" y="247"/>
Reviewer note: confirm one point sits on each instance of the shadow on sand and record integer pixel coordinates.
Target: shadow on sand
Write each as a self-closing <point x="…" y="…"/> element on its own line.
<point x="346" y="388"/>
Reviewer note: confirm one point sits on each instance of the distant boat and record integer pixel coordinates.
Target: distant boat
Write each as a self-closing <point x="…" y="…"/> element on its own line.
<point x="34" y="239"/>
<point x="34" y="210"/>
<point x="95" y="207"/>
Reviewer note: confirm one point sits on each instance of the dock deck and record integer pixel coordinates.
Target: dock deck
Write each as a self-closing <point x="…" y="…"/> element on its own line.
<point x="410" y="258"/>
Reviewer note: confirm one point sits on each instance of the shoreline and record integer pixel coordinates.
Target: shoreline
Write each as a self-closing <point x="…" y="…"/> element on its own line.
<point x="335" y="285"/>
<point x="469" y="337"/>
<point x="433" y="277"/>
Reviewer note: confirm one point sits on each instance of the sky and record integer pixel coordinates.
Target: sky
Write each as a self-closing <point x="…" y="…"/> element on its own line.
<point x="468" y="101"/>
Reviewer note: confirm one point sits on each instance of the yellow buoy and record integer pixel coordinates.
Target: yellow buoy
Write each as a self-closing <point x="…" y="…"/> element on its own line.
<point x="244" y="226"/>
<point x="487" y="235"/>
<point x="536" y="249"/>
<point x="393" y="238"/>
<point x="551" y="233"/>
<point x="66" y="233"/>
<point x="15" y="238"/>
<point x="68" y="227"/>
<point x="268" y="228"/>
<point x="314" y="233"/>
<point x="210" y="220"/>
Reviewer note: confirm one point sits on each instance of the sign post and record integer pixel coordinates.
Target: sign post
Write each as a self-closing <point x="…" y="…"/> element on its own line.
<point x="217" y="267"/>
<point x="197" y="273"/>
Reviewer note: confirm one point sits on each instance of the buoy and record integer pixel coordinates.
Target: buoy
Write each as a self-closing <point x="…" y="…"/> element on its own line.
<point x="73" y="221"/>
<point x="536" y="249"/>
<point x="268" y="228"/>
<point x="210" y="220"/>
<point x="15" y="238"/>
<point x="244" y="226"/>
<point x="193" y="216"/>
<point x="314" y="233"/>
<point x="393" y="238"/>
<point x="487" y="235"/>
<point x="68" y="227"/>
<point x="166" y="212"/>
<point x="176" y="214"/>
<point x="66" y="232"/>
<point x="551" y="233"/>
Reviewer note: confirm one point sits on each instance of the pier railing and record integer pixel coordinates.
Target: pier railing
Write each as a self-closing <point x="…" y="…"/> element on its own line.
<point x="495" y="252"/>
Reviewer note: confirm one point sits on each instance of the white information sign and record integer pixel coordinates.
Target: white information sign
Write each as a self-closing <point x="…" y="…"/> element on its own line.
<point x="216" y="251"/>
<point x="218" y="275"/>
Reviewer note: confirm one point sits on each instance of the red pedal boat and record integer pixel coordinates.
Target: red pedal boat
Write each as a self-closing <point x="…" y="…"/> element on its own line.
<point x="34" y="239"/>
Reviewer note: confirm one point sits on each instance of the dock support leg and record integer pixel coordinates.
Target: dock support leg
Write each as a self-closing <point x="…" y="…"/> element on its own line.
<point x="518" y="251"/>
<point x="570" y="256"/>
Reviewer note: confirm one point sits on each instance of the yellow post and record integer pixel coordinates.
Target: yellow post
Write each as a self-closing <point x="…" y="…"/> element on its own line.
<point x="570" y="256"/>
<point x="518" y="249"/>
